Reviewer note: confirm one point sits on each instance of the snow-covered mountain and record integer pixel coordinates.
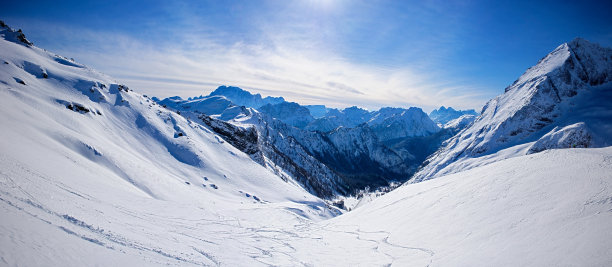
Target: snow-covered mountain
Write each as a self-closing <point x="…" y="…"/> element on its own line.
<point x="288" y="112"/>
<point x="444" y="115"/>
<point x="242" y="97"/>
<point x="80" y="130"/>
<point x="362" y="150"/>
<point x="459" y="123"/>
<point x="394" y="123"/>
<point x="216" y="106"/>
<point x="348" y="117"/>
<point x="317" y="111"/>
<point x="328" y="164"/>
<point x="563" y="101"/>
<point x="388" y="123"/>
<point x="93" y="173"/>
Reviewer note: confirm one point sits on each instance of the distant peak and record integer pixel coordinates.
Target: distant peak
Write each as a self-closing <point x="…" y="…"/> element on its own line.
<point x="243" y="97"/>
<point x="224" y="89"/>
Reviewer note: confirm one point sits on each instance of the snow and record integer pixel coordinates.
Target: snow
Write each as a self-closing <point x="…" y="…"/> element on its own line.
<point x="244" y="98"/>
<point x="443" y="115"/>
<point x="460" y="123"/>
<point x="119" y="180"/>
<point x="547" y="209"/>
<point x="550" y="208"/>
<point x="571" y="136"/>
<point x="288" y="112"/>
<point x="362" y="149"/>
<point x="572" y="84"/>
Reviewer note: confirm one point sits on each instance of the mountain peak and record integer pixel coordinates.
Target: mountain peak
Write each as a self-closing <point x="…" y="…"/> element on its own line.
<point x="578" y="41"/>
<point x="575" y="63"/>
<point x="546" y="96"/>
<point x="233" y="90"/>
<point x="446" y="114"/>
<point x="243" y="97"/>
<point x="15" y="36"/>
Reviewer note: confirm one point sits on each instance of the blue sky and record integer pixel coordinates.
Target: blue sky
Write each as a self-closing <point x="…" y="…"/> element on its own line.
<point x="335" y="52"/>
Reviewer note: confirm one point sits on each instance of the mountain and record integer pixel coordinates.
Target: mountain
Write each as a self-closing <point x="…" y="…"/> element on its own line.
<point x="388" y="123"/>
<point x="317" y="111"/>
<point x="72" y="129"/>
<point x="459" y="123"/>
<point x="216" y="106"/>
<point x="443" y="115"/>
<point x="244" y="98"/>
<point x="94" y="173"/>
<point x="362" y="150"/>
<point x="348" y="117"/>
<point x="562" y="101"/>
<point x="328" y="164"/>
<point x="288" y="112"/>
<point x="393" y="123"/>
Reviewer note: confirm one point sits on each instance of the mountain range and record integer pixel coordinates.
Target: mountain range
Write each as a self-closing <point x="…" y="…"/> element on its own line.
<point x="361" y="150"/>
<point x="444" y="115"/>
<point x="94" y="173"/>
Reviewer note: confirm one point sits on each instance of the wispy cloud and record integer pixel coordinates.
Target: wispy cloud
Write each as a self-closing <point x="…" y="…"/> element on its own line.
<point x="308" y="71"/>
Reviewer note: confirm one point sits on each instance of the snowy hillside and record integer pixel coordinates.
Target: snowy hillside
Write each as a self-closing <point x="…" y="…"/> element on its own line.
<point x="572" y="84"/>
<point x="546" y="209"/>
<point x="93" y="173"/>
<point x="82" y="157"/>
<point x="459" y="123"/>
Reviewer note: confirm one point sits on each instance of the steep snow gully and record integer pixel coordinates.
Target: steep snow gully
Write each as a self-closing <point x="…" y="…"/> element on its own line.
<point x="93" y="173"/>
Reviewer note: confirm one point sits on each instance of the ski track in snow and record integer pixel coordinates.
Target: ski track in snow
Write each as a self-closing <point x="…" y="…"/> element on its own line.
<point x="277" y="240"/>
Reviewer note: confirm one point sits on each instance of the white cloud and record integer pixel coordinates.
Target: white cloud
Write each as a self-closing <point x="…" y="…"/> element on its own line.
<point x="306" y="71"/>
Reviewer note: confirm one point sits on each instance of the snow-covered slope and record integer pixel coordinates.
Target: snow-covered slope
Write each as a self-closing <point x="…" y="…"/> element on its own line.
<point x="78" y="149"/>
<point x="572" y="84"/>
<point x="53" y="107"/>
<point x="459" y="123"/>
<point x="92" y="173"/>
<point x="548" y="209"/>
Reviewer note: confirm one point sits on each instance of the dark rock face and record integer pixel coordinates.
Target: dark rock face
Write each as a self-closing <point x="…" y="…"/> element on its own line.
<point x="290" y="158"/>
<point x="245" y="140"/>
<point x="12" y="35"/>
